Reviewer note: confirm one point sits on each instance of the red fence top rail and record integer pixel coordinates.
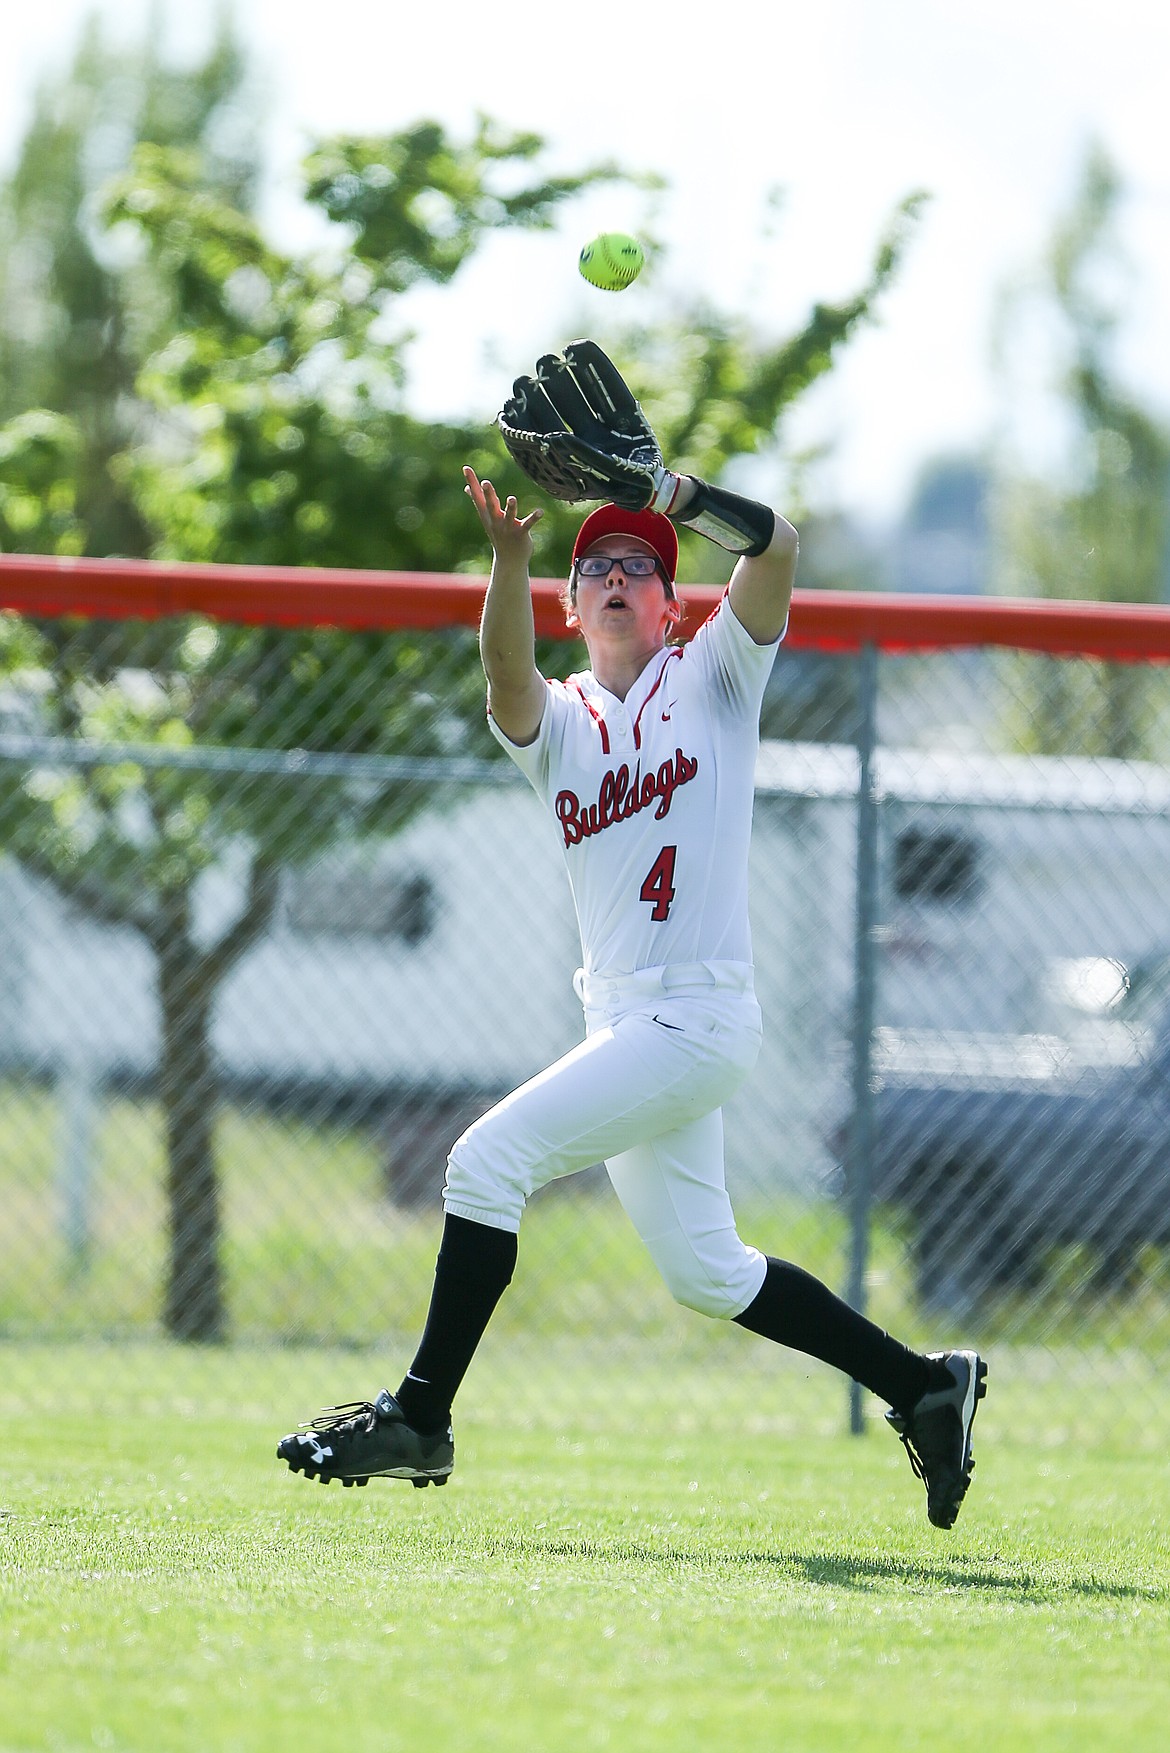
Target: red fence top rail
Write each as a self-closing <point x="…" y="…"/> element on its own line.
<point x="823" y="620"/>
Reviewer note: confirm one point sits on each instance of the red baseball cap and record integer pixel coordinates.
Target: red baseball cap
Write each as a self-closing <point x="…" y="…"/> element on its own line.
<point x="646" y="526"/>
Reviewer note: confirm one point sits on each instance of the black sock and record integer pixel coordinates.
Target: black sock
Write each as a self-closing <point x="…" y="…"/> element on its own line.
<point x="473" y="1270"/>
<point x="796" y="1309"/>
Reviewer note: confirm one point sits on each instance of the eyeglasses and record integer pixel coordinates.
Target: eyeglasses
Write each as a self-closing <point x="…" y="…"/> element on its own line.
<point x="633" y="565"/>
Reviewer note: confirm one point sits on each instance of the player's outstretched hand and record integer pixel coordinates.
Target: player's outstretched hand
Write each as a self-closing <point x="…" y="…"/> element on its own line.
<point x="508" y="532"/>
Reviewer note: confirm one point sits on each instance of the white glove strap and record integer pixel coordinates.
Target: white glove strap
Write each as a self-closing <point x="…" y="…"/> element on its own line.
<point x="666" y="486"/>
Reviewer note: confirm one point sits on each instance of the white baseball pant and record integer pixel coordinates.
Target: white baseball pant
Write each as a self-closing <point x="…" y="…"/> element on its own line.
<point x="664" y="1050"/>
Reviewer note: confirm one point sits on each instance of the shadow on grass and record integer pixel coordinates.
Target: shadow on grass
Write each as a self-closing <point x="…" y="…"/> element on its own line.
<point x="953" y="1574"/>
<point x="839" y="1571"/>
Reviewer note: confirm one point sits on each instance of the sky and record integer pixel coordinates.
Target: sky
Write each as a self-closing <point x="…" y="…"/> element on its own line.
<point x="788" y="135"/>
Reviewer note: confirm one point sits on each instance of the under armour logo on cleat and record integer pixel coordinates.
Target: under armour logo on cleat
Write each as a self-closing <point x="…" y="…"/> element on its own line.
<point x="319" y="1453"/>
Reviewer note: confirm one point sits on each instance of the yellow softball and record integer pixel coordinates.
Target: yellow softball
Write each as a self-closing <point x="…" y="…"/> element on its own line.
<point x="612" y="261"/>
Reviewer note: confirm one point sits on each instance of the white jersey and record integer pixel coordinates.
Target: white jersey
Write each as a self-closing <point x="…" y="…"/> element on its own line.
<point x="652" y="799"/>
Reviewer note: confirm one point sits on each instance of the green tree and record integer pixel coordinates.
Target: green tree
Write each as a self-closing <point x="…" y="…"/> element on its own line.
<point x="40" y="458"/>
<point x="1098" y="527"/>
<point x="282" y="405"/>
<point x="70" y="338"/>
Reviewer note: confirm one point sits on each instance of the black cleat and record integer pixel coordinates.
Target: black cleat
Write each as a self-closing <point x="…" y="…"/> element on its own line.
<point x="937" y="1434"/>
<point x="368" y="1440"/>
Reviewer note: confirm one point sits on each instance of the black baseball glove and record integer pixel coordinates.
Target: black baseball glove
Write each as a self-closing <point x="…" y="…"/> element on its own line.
<point x="576" y="431"/>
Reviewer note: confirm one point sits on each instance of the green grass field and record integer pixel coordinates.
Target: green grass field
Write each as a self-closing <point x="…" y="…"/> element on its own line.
<point x="659" y="1535"/>
<point x="694" y="1561"/>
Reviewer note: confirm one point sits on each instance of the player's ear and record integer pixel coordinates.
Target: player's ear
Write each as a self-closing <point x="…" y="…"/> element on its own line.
<point x="569" y="600"/>
<point x="673" y="610"/>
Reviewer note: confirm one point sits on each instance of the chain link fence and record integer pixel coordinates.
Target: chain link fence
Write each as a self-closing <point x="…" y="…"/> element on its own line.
<point x="275" y="925"/>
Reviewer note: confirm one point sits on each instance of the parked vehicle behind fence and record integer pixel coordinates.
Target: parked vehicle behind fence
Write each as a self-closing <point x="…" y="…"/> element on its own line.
<point x="999" y="1152"/>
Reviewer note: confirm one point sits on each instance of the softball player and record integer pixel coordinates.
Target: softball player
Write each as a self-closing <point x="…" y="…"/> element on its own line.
<point x="645" y="762"/>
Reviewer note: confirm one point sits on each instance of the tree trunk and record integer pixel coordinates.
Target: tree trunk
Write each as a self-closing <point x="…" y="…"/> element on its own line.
<point x="194" y="1306"/>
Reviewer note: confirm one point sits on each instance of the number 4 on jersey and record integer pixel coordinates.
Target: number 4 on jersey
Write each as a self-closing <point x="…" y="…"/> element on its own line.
<point x="658" y="888"/>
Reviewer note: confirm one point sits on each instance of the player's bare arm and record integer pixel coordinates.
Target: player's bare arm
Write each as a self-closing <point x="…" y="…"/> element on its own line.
<point x="507" y="635"/>
<point x="761" y="586"/>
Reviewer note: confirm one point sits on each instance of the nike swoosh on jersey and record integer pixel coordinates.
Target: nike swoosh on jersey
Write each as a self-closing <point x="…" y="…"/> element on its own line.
<point x="677" y="1027"/>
